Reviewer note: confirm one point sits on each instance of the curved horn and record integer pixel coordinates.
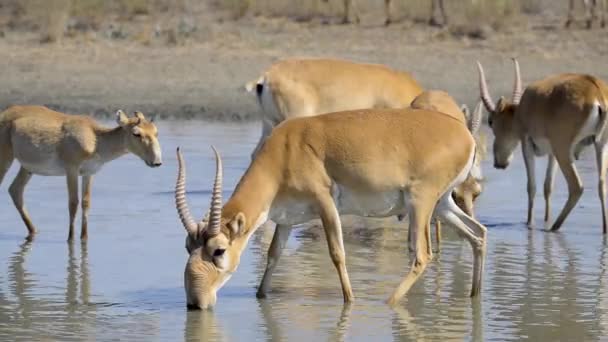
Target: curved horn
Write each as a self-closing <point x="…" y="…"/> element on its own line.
<point x="475" y="119"/>
<point x="215" y="212"/>
<point x="180" y="198"/>
<point x="517" y="87"/>
<point x="483" y="89"/>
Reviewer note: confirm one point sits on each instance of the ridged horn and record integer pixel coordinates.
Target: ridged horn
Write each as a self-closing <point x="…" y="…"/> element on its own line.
<point x="483" y="89"/>
<point x="517" y="87"/>
<point x="215" y="212"/>
<point x="475" y="119"/>
<point x="180" y="197"/>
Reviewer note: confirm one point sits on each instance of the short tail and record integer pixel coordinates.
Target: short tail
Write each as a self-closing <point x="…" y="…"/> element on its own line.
<point x="257" y="86"/>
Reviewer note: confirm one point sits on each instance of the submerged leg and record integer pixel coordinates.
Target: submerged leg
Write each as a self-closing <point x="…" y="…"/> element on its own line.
<point x="281" y="235"/>
<point x="333" y="233"/>
<point x="72" y="181"/>
<point x="420" y="220"/>
<point x="16" y="191"/>
<point x="528" y="154"/>
<point x="86" y="204"/>
<point x="438" y="235"/>
<point x="575" y="187"/>
<point x="472" y="230"/>
<point x="600" y="153"/>
<point x="548" y="187"/>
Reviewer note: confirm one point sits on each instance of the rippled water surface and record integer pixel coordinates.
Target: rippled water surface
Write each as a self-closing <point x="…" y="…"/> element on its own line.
<point x="127" y="282"/>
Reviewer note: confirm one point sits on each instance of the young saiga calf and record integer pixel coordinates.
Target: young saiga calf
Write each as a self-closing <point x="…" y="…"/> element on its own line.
<point x="49" y="143"/>
<point x="557" y="116"/>
<point x="373" y="163"/>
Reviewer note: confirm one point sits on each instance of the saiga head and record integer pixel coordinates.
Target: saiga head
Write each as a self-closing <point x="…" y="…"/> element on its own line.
<point x="142" y="137"/>
<point x="467" y="192"/>
<point x="214" y="244"/>
<point x="501" y="118"/>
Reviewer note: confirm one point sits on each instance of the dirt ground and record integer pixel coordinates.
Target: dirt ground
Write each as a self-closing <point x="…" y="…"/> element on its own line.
<point x="203" y="77"/>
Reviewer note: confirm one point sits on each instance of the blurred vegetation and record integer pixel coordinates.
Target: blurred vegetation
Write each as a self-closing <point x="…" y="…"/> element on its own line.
<point x="176" y="19"/>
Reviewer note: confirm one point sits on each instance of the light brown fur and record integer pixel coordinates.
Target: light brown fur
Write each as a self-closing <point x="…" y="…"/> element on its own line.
<point x="465" y="193"/>
<point x="355" y="161"/>
<point x="300" y="87"/>
<point x="557" y="116"/>
<point x="47" y="142"/>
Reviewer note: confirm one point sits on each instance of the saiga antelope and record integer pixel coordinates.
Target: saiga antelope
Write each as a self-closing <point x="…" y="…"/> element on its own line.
<point x="373" y="163"/>
<point x="49" y="143"/>
<point x="465" y="193"/>
<point x="298" y="87"/>
<point x="351" y="6"/>
<point x="295" y="87"/>
<point x="557" y="116"/>
<point x="591" y="9"/>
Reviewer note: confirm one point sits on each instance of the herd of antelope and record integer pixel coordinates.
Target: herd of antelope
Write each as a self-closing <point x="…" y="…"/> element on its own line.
<point x="594" y="9"/>
<point x="338" y="138"/>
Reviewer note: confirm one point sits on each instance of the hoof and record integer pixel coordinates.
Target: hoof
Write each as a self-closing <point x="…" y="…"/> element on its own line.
<point x="260" y="295"/>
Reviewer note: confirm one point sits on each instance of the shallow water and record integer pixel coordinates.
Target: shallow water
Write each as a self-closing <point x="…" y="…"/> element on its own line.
<point x="127" y="282"/>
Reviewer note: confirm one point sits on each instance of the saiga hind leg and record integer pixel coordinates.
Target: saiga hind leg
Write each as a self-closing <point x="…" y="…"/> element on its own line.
<point x="600" y="153"/>
<point x="472" y="230"/>
<point x="548" y="186"/>
<point x="72" y="182"/>
<point x="420" y="219"/>
<point x="575" y="186"/>
<point x="16" y="191"/>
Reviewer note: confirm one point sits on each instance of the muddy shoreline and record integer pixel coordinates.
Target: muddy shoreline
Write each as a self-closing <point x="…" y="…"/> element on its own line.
<point x="203" y="78"/>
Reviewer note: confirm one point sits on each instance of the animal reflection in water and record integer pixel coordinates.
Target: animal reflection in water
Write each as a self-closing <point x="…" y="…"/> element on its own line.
<point x="77" y="289"/>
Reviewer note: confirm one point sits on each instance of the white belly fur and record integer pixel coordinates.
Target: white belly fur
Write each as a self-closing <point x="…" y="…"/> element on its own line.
<point x="51" y="165"/>
<point x="384" y="204"/>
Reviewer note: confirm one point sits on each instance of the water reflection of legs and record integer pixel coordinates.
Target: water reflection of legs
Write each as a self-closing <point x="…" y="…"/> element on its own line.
<point x="201" y="325"/>
<point x="603" y="293"/>
<point x="404" y="326"/>
<point x="18" y="279"/>
<point x="477" y="313"/>
<point x="343" y="323"/>
<point x="273" y="327"/>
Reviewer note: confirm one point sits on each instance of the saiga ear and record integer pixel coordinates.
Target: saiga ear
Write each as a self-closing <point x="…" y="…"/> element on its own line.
<point x="237" y="224"/>
<point x="140" y="116"/>
<point x="121" y="118"/>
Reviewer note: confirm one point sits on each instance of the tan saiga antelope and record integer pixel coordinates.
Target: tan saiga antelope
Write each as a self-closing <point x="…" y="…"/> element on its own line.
<point x="592" y="7"/>
<point x="350" y="7"/>
<point x="298" y="87"/>
<point x="557" y="116"/>
<point x="305" y="87"/>
<point x="49" y="143"/>
<point x="373" y="163"/>
<point x="465" y="193"/>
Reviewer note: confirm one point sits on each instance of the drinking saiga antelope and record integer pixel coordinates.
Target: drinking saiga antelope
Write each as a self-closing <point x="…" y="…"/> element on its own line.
<point x="300" y="87"/>
<point x="557" y="116"/>
<point x="373" y="163"/>
<point x="49" y="143"/>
